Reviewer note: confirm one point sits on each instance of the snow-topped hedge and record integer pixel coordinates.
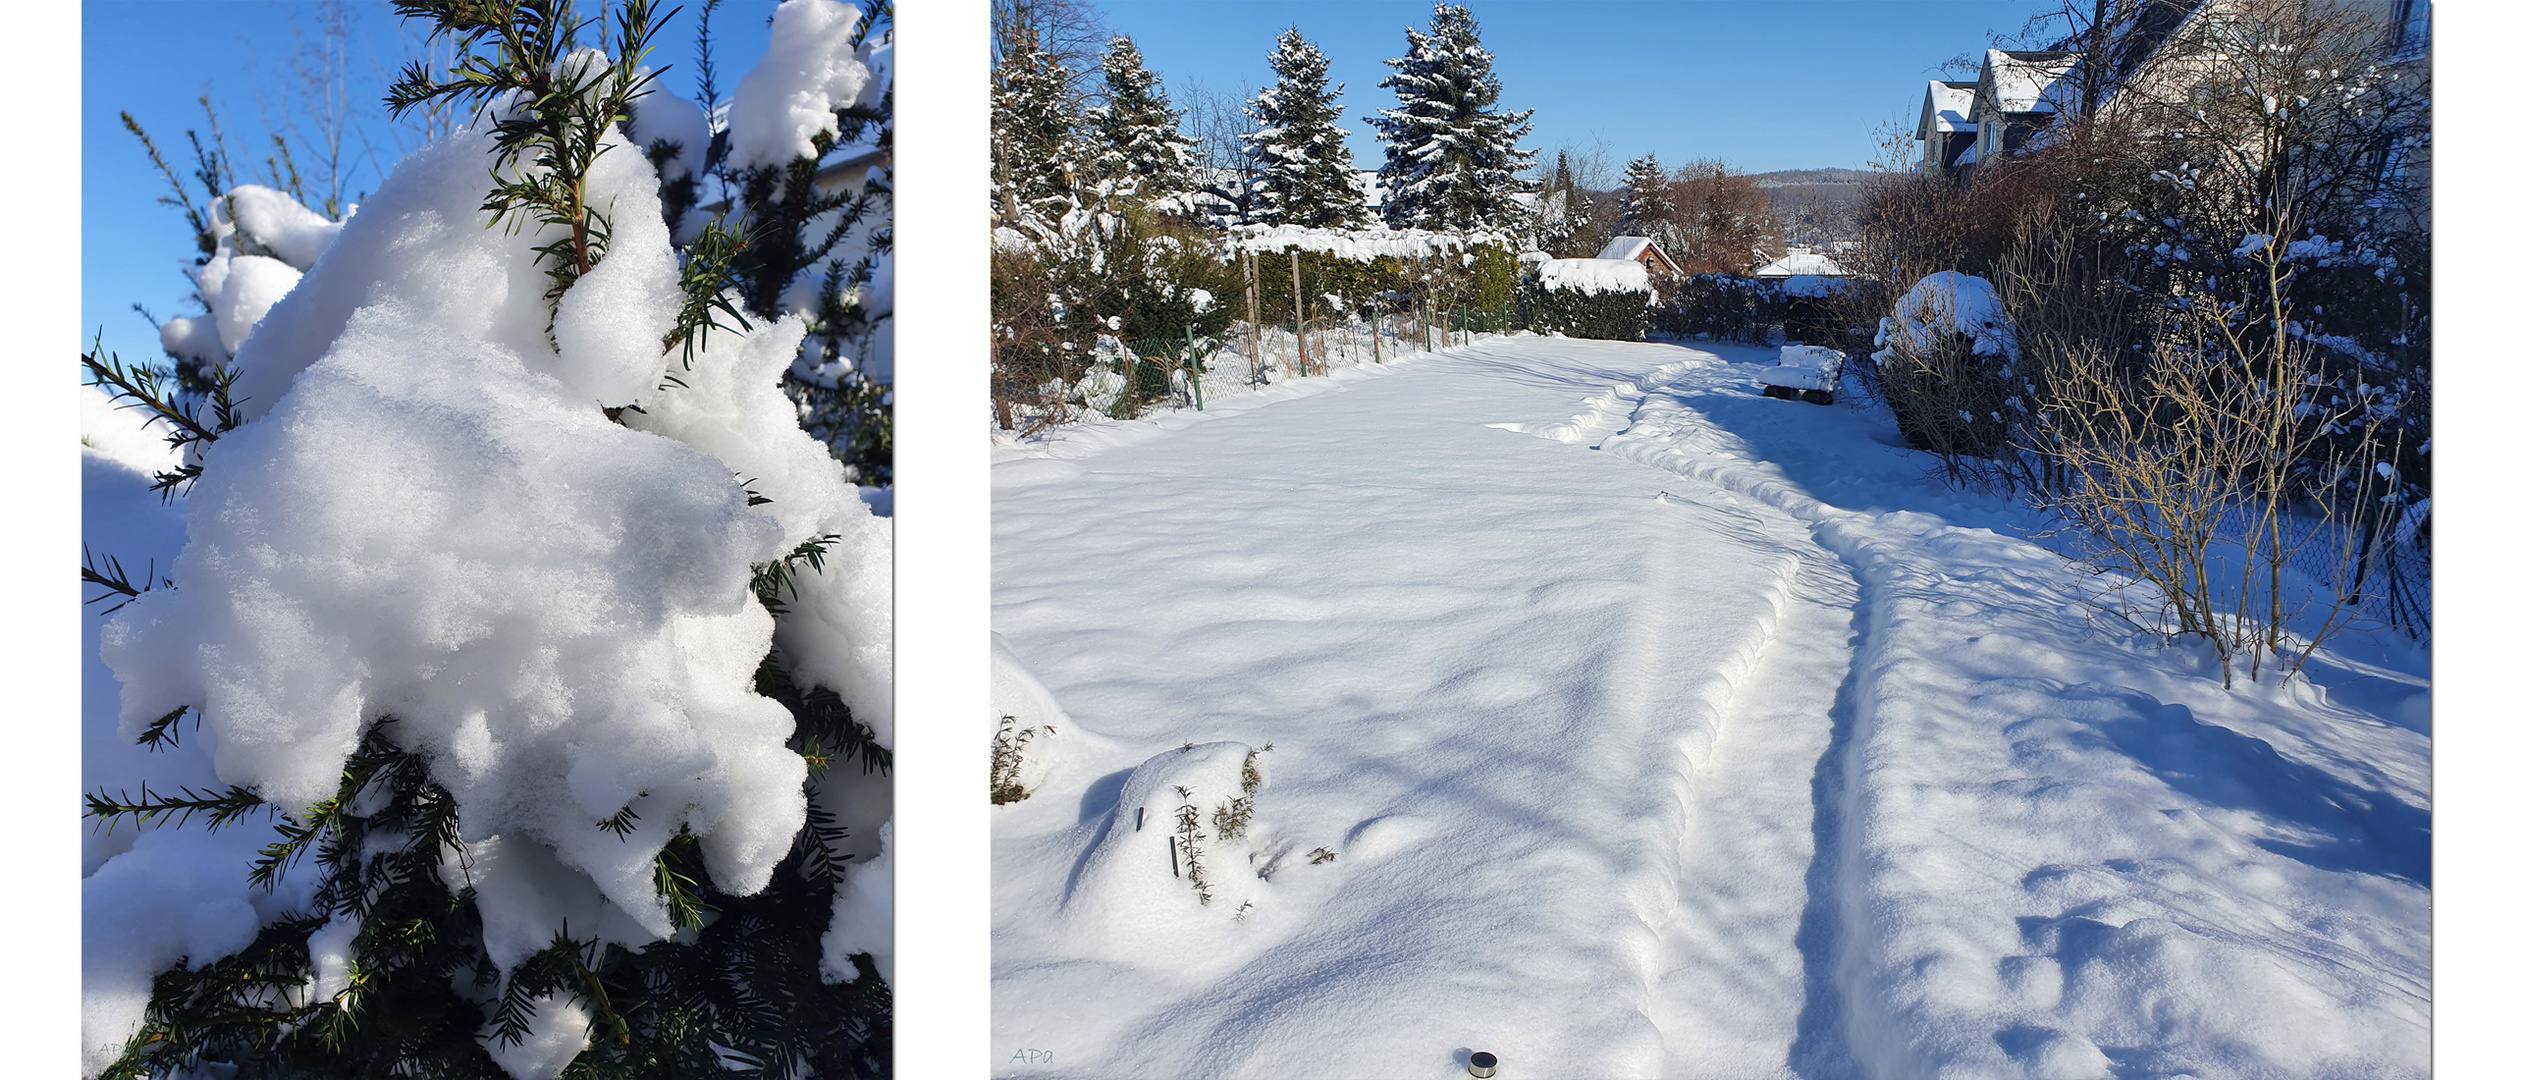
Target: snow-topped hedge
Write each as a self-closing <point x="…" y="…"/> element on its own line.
<point x="1475" y="269"/>
<point x="1589" y="298"/>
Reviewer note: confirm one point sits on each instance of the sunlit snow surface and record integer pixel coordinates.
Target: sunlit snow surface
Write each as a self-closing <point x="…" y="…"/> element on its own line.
<point x="1657" y="728"/>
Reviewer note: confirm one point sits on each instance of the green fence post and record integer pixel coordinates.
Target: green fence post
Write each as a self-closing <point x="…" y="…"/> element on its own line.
<point x="1193" y="368"/>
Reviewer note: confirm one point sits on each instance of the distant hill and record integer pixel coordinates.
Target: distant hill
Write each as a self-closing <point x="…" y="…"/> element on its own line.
<point x="1815" y="205"/>
<point x="1800" y="177"/>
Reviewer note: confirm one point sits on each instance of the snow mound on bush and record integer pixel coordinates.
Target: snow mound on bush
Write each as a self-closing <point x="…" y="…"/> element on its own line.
<point x="1135" y="897"/>
<point x="839" y="633"/>
<point x="1943" y="305"/>
<point x="434" y="520"/>
<point x="272" y="224"/>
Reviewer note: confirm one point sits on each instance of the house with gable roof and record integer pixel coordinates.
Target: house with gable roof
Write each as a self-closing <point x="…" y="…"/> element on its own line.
<point x="1642" y="250"/>
<point x="1946" y="131"/>
<point x="2019" y="94"/>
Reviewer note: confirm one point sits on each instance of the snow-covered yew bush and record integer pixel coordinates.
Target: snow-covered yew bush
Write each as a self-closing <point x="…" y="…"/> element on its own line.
<point x="1945" y="365"/>
<point x="517" y="601"/>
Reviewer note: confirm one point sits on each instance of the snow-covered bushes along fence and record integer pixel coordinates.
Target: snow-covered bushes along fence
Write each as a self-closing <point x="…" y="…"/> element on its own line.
<point x="516" y="599"/>
<point x="1726" y="307"/>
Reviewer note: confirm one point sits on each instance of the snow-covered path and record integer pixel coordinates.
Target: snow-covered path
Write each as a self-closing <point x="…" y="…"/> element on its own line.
<point x="1655" y="728"/>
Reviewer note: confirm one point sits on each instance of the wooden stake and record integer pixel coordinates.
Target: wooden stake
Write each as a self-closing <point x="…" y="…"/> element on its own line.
<point x="1297" y="311"/>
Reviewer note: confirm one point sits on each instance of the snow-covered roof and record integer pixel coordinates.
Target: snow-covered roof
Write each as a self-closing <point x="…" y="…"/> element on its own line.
<point x="2023" y="82"/>
<point x="1801" y="261"/>
<point x="1624" y="247"/>
<point x="1948" y="106"/>
<point x="1642" y="250"/>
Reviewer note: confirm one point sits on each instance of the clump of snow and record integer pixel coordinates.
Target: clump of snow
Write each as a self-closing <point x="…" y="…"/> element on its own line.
<point x="1593" y="276"/>
<point x="864" y="915"/>
<point x="329" y="948"/>
<point x="422" y="241"/>
<point x="839" y="633"/>
<point x="194" y="338"/>
<point x="172" y="895"/>
<point x="1942" y="305"/>
<point x="272" y="223"/>
<point x="789" y="98"/>
<point x="239" y="290"/>
<point x="1812" y="286"/>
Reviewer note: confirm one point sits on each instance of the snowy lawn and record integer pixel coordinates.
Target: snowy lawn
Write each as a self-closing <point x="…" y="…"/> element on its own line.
<point x="1623" y="722"/>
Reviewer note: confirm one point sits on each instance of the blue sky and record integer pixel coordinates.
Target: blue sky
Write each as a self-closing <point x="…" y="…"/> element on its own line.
<point x="1763" y="84"/>
<point x="153" y="58"/>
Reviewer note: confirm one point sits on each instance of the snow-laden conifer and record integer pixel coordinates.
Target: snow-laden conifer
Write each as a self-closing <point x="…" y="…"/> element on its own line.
<point x="1304" y="174"/>
<point x="522" y="634"/>
<point x="1563" y="212"/>
<point x="1451" y="156"/>
<point x="1142" y="154"/>
<point x="1648" y="200"/>
<point x="1036" y="151"/>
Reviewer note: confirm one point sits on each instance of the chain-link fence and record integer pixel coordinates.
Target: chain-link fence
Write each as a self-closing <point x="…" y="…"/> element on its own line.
<point x="1191" y="371"/>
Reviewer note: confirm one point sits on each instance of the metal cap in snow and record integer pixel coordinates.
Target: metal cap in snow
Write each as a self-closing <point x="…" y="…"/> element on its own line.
<point x="1484" y="1064"/>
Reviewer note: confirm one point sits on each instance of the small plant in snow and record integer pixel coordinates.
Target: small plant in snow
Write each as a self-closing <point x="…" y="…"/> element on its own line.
<point x="1231" y="820"/>
<point x="1188" y="838"/>
<point x="1008" y="757"/>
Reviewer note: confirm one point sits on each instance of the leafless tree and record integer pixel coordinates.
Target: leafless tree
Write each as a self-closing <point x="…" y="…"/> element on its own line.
<point x="1071" y="31"/>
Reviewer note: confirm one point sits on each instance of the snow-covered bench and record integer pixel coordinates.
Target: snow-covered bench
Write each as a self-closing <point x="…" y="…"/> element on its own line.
<point x="1806" y="373"/>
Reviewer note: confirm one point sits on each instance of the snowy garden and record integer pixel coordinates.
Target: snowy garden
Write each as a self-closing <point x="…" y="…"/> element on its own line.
<point x="490" y="656"/>
<point x="1426" y="643"/>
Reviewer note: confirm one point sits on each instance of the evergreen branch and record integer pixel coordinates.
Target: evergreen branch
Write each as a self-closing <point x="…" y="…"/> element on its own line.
<point x="161" y="731"/>
<point x="112" y="577"/>
<point x="772" y="579"/>
<point x="146" y="388"/>
<point x="193" y="215"/>
<point x="710" y="265"/>
<point x="326" y="819"/>
<point x="621" y="823"/>
<point x="679" y="889"/>
<point x="218" y="809"/>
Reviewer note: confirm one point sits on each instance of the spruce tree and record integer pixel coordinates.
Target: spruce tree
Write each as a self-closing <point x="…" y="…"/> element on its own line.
<point x="1035" y="150"/>
<point x="1563" y="213"/>
<point x="1142" y="155"/>
<point x="1304" y="174"/>
<point x="1451" y="156"/>
<point x="1648" y="199"/>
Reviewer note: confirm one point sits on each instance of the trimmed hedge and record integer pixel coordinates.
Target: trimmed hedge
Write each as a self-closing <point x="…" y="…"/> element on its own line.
<point x="1606" y="316"/>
